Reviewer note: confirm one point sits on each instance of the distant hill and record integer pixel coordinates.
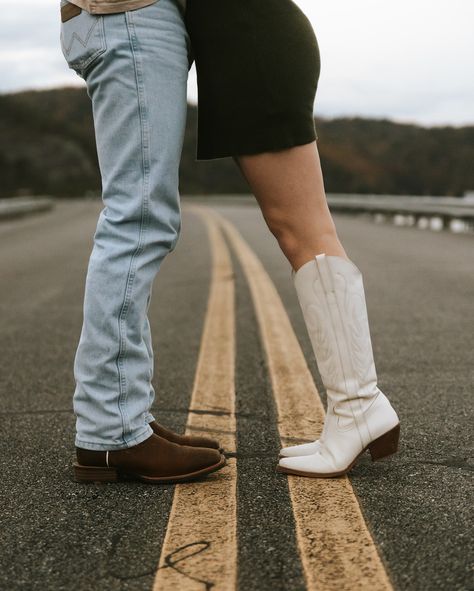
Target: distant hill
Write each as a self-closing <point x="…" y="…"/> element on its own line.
<point x="47" y="147"/>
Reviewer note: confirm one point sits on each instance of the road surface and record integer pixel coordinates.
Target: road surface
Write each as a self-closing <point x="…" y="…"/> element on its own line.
<point x="230" y="343"/>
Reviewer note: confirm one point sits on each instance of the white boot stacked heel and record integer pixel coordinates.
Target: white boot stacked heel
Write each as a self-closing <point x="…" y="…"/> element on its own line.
<point x="359" y="416"/>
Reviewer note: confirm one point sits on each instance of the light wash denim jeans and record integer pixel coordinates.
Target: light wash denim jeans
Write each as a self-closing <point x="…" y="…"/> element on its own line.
<point x="135" y="65"/>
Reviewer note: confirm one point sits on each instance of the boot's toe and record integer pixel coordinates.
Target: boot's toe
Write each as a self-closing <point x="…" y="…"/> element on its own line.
<point x="204" y="457"/>
<point x="293" y="463"/>
<point x="315" y="464"/>
<point x="190" y="440"/>
<point x="305" y="449"/>
<point x="205" y="442"/>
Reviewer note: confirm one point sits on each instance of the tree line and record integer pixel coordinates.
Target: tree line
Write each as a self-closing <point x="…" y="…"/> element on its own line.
<point x="47" y="147"/>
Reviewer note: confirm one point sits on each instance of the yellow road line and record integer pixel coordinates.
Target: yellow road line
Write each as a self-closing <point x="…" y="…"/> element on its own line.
<point x="337" y="550"/>
<point x="200" y="547"/>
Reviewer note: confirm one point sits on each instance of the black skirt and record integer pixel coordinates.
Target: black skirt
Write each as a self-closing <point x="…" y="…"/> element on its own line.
<point x="258" y="67"/>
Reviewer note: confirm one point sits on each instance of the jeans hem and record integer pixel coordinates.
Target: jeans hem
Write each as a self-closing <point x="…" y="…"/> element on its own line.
<point x="149" y="417"/>
<point x="143" y="436"/>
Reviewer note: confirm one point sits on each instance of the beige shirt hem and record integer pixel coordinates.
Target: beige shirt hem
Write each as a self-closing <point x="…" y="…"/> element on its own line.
<point x="101" y="7"/>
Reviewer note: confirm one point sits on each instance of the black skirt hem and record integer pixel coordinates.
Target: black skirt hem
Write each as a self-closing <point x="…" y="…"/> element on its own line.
<point x="270" y="142"/>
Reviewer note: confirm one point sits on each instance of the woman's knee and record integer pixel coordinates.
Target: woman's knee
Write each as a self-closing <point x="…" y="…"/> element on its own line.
<point x="296" y="235"/>
<point x="288" y="227"/>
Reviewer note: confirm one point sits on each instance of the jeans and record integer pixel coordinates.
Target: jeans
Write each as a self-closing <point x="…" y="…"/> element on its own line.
<point x="135" y="65"/>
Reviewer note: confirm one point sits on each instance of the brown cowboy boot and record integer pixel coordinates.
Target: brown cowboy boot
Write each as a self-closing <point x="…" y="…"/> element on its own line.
<point x="192" y="440"/>
<point x="156" y="460"/>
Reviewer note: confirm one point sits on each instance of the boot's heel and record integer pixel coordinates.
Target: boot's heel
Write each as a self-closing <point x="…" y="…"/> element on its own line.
<point x="94" y="474"/>
<point x="385" y="445"/>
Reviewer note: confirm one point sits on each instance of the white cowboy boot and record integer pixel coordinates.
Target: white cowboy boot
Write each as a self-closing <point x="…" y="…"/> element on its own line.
<point x="359" y="416"/>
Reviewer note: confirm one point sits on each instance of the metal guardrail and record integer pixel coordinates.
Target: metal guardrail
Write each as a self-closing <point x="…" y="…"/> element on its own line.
<point x="435" y="213"/>
<point x="444" y="207"/>
<point x="21" y="206"/>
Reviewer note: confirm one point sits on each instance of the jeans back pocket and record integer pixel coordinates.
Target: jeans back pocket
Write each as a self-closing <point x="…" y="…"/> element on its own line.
<point x="82" y="39"/>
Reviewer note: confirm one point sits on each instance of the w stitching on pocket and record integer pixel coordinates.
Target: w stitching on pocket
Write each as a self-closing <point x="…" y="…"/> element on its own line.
<point x="82" y="41"/>
<point x="82" y="59"/>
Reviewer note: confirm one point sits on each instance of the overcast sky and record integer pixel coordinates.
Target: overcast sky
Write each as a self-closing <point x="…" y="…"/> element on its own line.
<point x="409" y="60"/>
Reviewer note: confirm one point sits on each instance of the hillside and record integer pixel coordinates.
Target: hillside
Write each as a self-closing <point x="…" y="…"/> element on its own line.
<point x="47" y="147"/>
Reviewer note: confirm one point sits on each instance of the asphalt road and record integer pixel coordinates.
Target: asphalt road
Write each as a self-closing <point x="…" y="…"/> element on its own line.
<point x="57" y="534"/>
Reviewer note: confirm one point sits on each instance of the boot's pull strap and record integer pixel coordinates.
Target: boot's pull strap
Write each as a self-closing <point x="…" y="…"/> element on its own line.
<point x="107" y="459"/>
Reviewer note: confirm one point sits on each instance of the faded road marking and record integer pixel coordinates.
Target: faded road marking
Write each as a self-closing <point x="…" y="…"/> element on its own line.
<point x="200" y="548"/>
<point x="337" y="550"/>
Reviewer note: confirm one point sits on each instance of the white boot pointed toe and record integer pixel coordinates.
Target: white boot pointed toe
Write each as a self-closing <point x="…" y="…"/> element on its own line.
<point x="304" y="449"/>
<point x="359" y="416"/>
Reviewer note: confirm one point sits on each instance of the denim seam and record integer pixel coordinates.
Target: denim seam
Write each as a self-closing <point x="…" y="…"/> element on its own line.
<point x="149" y="417"/>
<point x="144" y="131"/>
<point x="140" y="438"/>
<point x="178" y="230"/>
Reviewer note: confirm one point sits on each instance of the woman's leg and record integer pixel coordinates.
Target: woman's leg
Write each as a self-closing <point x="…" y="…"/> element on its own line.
<point x="289" y="188"/>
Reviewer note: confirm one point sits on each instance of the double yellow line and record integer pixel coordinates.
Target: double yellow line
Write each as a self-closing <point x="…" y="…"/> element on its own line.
<point x="200" y="547"/>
